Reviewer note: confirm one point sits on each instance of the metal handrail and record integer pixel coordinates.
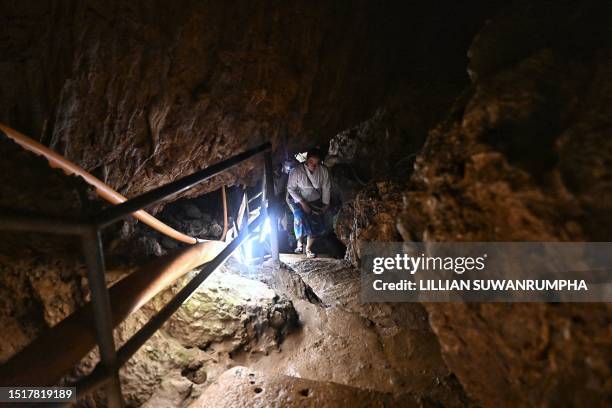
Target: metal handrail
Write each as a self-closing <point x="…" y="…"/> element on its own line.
<point x="117" y="212"/>
<point x="99" y="375"/>
<point x="110" y="361"/>
<point x="106" y="192"/>
<point x="76" y="332"/>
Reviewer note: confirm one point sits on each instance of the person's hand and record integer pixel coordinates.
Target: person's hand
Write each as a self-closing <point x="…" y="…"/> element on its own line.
<point x="305" y="207"/>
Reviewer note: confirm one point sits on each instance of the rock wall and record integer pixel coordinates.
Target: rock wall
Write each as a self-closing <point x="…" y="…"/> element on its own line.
<point x="140" y="93"/>
<point x="522" y="157"/>
<point x="228" y="315"/>
<point x="143" y="92"/>
<point x="371" y="216"/>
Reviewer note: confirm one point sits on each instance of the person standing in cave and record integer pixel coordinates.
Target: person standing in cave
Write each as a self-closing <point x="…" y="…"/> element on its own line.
<point x="308" y="196"/>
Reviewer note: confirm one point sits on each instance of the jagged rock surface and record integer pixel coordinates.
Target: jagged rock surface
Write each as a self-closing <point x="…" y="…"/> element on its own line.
<point x="229" y="314"/>
<point x="233" y="309"/>
<point x="370" y="216"/>
<point x="143" y="92"/>
<point x="522" y="158"/>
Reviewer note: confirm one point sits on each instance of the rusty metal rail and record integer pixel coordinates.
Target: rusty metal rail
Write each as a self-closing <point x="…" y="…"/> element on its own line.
<point x="100" y="376"/>
<point x="128" y="294"/>
<point x="106" y="192"/>
<point x="76" y="332"/>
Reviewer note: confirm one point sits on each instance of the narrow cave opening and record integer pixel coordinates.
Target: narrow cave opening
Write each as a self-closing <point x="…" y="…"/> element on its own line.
<point x="198" y="203"/>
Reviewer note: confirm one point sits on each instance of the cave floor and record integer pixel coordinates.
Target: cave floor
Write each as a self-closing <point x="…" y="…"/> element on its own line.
<point x="385" y="352"/>
<point x="224" y="348"/>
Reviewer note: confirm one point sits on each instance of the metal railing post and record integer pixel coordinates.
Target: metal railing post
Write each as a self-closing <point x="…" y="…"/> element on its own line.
<point x="123" y="210"/>
<point x="247" y="212"/>
<point x="97" y="377"/>
<point x="270" y="206"/>
<point x="107" y="370"/>
<point x="92" y="248"/>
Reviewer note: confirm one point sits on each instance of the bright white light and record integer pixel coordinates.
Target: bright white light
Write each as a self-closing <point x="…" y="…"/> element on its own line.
<point x="245" y="254"/>
<point x="248" y="252"/>
<point x="266" y="229"/>
<point x="301" y="157"/>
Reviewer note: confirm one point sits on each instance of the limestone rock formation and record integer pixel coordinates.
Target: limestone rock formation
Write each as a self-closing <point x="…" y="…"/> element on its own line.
<point x="239" y="311"/>
<point x="143" y="92"/>
<point x="228" y="315"/>
<point x="522" y="158"/>
<point x="370" y="216"/>
<point x="140" y="93"/>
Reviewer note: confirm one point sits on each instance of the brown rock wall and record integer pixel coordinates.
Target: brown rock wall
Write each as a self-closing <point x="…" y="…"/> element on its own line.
<point x="142" y="92"/>
<point x="521" y="159"/>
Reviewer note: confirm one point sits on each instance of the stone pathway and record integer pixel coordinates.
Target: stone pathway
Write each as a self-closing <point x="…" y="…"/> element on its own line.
<point x="300" y="328"/>
<point x="385" y="350"/>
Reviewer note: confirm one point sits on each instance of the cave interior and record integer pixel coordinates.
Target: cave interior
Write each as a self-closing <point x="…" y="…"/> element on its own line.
<point x="441" y="121"/>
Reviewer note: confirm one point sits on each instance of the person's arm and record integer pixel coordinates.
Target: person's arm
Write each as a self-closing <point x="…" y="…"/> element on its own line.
<point x="294" y="191"/>
<point x="326" y="188"/>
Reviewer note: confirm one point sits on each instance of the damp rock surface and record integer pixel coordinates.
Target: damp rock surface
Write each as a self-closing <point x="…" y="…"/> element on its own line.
<point x="228" y="315"/>
<point x="387" y="348"/>
<point x="246" y="388"/>
<point x="520" y="158"/>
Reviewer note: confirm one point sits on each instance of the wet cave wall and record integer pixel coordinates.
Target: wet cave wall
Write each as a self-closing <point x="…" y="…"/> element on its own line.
<point x="483" y="121"/>
<point x="523" y="155"/>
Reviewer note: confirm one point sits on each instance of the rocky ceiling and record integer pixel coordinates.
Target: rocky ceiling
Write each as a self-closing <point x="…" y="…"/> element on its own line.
<point x="142" y="92"/>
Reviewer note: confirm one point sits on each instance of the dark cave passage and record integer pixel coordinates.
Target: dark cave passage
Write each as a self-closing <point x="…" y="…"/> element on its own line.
<point x="427" y="124"/>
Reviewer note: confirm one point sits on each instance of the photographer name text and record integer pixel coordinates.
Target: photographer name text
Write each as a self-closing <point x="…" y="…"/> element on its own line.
<point x="482" y="285"/>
